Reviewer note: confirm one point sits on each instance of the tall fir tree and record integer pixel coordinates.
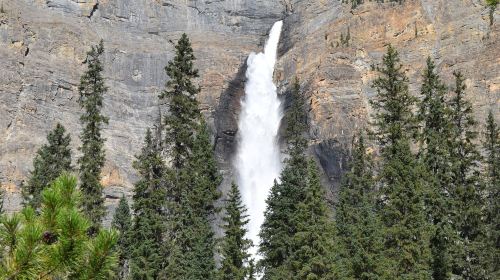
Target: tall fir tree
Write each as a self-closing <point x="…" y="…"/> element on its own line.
<point x="312" y="245"/>
<point x="193" y="179"/>
<point x="358" y="228"/>
<point x="401" y="206"/>
<point x="148" y="224"/>
<point x="181" y="95"/>
<point x="280" y="225"/>
<point x="50" y="161"/>
<point x="122" y="223"/>
<point x="434" y="155"/>
<point x="234" y="245"/>
<point x="92" y="91"/>
<point x="492" y="165"/>
<point x="467" y="189"/>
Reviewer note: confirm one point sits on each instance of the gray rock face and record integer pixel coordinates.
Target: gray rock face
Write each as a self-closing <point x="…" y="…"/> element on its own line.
<point x="43" y="45"/>
<point x="42" y="50"/>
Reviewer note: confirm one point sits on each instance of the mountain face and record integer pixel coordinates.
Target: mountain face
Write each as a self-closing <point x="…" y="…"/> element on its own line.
<point x="43" y="45"/>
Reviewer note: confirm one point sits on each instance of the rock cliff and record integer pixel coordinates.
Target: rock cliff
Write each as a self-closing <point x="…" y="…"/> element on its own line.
<point x="43" y="45"/>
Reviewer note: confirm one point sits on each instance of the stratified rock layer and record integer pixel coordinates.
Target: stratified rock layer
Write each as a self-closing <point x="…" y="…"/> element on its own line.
<point x="43" y="46"/>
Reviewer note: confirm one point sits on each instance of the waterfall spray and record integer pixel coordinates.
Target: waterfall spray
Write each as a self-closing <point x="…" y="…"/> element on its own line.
<point x="258" y="159"/>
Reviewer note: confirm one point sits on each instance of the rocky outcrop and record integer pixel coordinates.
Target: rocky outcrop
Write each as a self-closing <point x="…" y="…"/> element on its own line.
<point x="337" y="78"/>
<point x="43" y="45"/>
<point x="42" y="50"/>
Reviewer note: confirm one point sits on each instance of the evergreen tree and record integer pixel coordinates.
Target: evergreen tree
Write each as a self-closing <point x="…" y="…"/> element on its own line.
<point x="148" y="225"/>
<point x="191" y="238"/>
<point x="51" y="160"/>
<point x="492" y="147"/>
<point x="280" y="225"/>
<point x="312" y="245"/>
<point x="251" y="271"/>
<point x="55" y="244"/>
<point x="358" y="228"/>
<point x="406" y="244"/>
<point x="434" y="155"/>
<point x="234" y="245"/>
<point x="467" y="188"/>
<point x="181" y="94"/>
<point x="122" y="223"/>
<point x="92" y="91"/>
<point x="193" y="179"/>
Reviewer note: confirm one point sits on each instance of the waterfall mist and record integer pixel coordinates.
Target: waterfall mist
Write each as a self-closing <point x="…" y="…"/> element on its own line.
<point x="258" y="159"/>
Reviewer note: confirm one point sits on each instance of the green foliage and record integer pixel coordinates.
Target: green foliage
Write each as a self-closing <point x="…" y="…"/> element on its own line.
<point x="401" y="206"/>
<point x="311" y="252"/>
<point x="190" y="237"/>
<point x="296" y="121"/>
<point x="51" y="160"/>
<point x="492" y="163"/>
<point x="234" y="245"/>
<point x="54" y="244"/>
<point x="358" y="228"/>
<point x="492" y="4"/>
<point x="148" y="225"/>
<point x="280" y="225"/>
<point x="122" y="223"/>
<point x="434" y="155"/>
<point x="181" y="94"/>
<point x="193" y="179"/>
<point x="92" y="91"/>
<point x="467" y="189"/>
<point x="345" y="39"/>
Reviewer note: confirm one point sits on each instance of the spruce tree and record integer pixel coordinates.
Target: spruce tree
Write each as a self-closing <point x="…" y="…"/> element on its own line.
<point x="193" y="178"/>
<point x="280" y="225"/>
<point x="50" y="161"/>
<point x="468" y="220"/>
<point x="122" y="223"/>
<point x="434" y="155"/>
<point x="401" y="206"/>
<point x="92" y="91"/>
<point x="234" y="245"/>
<point x="312" y="245"/>
<point x="148" y="224"/>
<point x="492" y="147"/>
<point x="358" y="228"/>
<point x="191" y="238"/>
<point x="181" y="95"/>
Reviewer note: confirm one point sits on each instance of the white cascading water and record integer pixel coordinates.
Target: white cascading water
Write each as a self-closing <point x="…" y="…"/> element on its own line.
<point x="258" y="159"/>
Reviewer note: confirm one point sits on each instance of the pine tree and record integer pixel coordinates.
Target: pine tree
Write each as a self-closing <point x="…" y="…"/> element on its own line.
<point x="92" y="91"/>
<point x="492" y="147"/>
<point x="312" y="244"/>
<point x="280" y="225"/>
<point x="55" y="244"/>
<point x="51" y="160"/>
<point x="234" y="245"/>
<point x="148" y="225"/>
<point x="358" y="228"/>
<point x="434" y="155"/>
<point x="181" y="94"/>
<point x="467" y="189"/>
<point x="122" y="223"/>
<point x="406" y="244"/>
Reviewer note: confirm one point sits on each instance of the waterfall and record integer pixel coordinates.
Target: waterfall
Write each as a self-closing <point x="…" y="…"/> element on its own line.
<point x="258" y="159"/>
